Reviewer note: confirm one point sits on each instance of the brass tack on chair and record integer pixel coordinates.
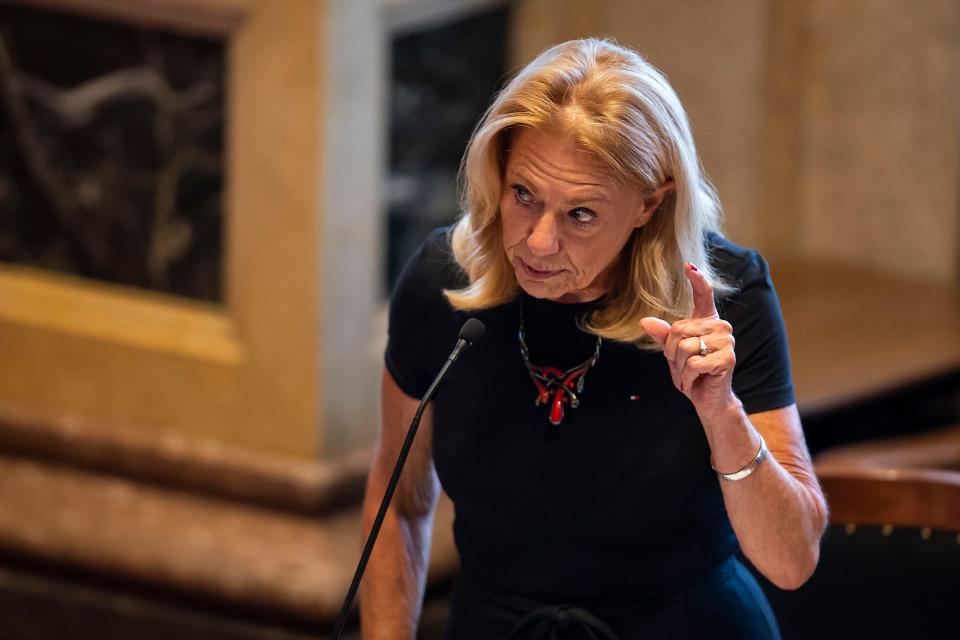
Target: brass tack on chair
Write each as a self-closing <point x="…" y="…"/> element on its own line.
<point x="850" y="528"/>
<point x="887" y="529"/>
<point x="925" y="533"/>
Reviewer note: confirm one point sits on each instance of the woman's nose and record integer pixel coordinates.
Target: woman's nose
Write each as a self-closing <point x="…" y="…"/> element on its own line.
<point x="544" y="238"/>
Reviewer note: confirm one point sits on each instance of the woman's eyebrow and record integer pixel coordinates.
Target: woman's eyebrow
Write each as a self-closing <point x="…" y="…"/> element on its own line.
<point x="595" y="192"/>
<point x="599" y="195"/>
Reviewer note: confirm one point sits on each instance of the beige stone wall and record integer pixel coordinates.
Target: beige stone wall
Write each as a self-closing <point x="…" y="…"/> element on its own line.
<point x="796" y="107"/>
<point x="712" y="52"/>
<point x="274" y="212"/>
<point x="352" y="267"/>
<point x="246" y="373"/>
<point x="881" y="135"/>
<point x="830" y="128"/>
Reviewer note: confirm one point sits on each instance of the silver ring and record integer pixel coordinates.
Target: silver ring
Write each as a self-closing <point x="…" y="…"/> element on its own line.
<point x="703" y="348"/>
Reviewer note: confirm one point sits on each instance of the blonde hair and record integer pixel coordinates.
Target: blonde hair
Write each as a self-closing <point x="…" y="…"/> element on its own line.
<point x="619" y="107"/>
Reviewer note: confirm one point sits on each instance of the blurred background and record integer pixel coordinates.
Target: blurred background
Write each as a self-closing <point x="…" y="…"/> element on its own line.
<point x="204" y="205"/>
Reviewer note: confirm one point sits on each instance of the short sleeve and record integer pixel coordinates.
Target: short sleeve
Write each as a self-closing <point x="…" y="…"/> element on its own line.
<point x="761" y="378"/>
<point x="420" y="315"/>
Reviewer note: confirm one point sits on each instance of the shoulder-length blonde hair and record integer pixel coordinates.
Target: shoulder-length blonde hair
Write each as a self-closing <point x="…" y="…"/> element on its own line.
<point x="626" y="113"/>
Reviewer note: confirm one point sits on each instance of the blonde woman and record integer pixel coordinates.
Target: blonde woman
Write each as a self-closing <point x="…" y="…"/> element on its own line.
<point x="628" y="422"/>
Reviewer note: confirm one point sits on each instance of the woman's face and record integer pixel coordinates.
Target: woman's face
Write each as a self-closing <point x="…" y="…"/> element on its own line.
<point x="565" y="218"/>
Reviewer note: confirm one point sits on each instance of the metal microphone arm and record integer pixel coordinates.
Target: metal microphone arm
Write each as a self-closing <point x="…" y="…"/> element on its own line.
<point x="471" y="332"/>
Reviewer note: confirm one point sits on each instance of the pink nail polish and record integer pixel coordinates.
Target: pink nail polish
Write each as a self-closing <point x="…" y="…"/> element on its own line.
<point x="681" y="385"/>
<point x="693" y="267"/>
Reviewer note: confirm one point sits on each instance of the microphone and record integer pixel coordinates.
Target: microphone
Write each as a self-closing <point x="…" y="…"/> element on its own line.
<point x="472" y="330"/>
<point x="470" y="333"/>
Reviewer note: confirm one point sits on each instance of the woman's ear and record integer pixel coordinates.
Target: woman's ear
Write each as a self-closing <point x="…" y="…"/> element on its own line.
<point x="653" y="201"/>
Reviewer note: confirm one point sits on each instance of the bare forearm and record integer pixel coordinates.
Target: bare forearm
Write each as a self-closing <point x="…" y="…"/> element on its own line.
<point x="392" y="588"/>
<point x="778" y="523"/>
<point x="778" y="512"/>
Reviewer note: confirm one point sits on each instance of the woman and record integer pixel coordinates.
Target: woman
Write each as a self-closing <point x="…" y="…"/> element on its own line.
<point x="606" y="447"/>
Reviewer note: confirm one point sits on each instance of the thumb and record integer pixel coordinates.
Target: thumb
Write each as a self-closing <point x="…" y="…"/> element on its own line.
<point x="656" y="328"/>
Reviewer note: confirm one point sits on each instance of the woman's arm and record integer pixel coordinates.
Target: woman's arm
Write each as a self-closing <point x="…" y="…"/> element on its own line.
<point x="392" y="590"/>
<point x="778" y="512"/>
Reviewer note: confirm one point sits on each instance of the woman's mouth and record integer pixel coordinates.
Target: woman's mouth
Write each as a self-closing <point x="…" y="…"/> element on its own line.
<point x="537" y="274"/>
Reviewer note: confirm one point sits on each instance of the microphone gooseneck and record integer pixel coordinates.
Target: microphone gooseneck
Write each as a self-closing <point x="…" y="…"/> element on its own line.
<point x="470" y="333"/>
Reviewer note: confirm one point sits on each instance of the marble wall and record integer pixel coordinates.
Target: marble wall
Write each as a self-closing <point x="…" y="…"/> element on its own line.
<point x="353" y="258"/>
<point x="442" y="80"/>
<point x="359" y="192"/>
<point x="111" y="151"/>
<point x="248" y="371"/>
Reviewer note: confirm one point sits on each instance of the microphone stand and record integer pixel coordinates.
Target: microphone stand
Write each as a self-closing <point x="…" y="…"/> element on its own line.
<point x="471" y="331"/>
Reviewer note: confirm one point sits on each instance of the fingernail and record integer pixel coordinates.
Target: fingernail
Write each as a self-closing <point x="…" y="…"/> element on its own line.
<point x="681" y="385"/>
<point x="693" y="267"/>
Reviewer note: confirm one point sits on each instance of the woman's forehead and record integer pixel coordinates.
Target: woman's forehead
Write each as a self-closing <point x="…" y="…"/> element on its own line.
<point x="550" y="155"/>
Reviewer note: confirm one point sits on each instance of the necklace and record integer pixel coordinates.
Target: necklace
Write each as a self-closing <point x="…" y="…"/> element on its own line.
<point x="554" y="385"/>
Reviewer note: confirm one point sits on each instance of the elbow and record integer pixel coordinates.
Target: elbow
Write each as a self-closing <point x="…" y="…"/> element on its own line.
<point x="794" y="575"/>
<point x="821" y="515"/>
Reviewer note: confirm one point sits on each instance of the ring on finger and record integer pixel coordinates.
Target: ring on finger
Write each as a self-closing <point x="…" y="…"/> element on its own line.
<point x="703" y="348"/>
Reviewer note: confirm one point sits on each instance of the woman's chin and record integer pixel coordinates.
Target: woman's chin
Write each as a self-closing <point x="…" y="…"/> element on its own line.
<point x="543" y="290"/>
<point x="539" y="288"/>
<point x="557" y="292"/>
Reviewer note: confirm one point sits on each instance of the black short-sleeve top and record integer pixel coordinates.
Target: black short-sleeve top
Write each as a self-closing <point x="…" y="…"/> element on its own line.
<point x="617" y="499"/>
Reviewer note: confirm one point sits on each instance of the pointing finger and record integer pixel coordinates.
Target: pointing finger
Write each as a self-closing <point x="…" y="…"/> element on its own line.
<point x="703" y="303"/>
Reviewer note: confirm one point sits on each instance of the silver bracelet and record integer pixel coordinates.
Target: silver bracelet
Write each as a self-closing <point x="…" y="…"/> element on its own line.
<point x="747" y="470"/>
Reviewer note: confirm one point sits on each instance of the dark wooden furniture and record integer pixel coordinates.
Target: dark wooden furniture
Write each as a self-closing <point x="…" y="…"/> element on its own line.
<point x="890" y="560"/>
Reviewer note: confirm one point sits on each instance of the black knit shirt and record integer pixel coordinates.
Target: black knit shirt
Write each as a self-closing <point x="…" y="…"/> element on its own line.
<point x="617" y="499"/>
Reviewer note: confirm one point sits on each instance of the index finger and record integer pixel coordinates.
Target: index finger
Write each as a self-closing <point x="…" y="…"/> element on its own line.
<point x="703" y="303"/>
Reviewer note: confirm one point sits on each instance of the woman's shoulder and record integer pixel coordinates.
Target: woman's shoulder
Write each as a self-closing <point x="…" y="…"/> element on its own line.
<point x="761" y="378"/>
<point x="737" y="264"/>
<point x="431" y="269"/>
<point x="436" y="246"/>
<point x="421" y="322"/>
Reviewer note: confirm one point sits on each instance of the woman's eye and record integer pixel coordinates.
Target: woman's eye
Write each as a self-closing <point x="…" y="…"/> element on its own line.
<point x="522" y="195"/>
<point x="583" y="216"/>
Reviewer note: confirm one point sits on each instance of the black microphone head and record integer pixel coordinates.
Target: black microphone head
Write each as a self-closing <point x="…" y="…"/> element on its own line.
<point x="472" y="330"/>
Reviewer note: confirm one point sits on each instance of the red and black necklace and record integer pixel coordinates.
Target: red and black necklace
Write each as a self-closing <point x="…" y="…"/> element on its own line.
<point x="556" y="386"/>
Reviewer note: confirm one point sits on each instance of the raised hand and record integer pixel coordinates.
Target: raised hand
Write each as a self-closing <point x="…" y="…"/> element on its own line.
<point x="704" y="379"/>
